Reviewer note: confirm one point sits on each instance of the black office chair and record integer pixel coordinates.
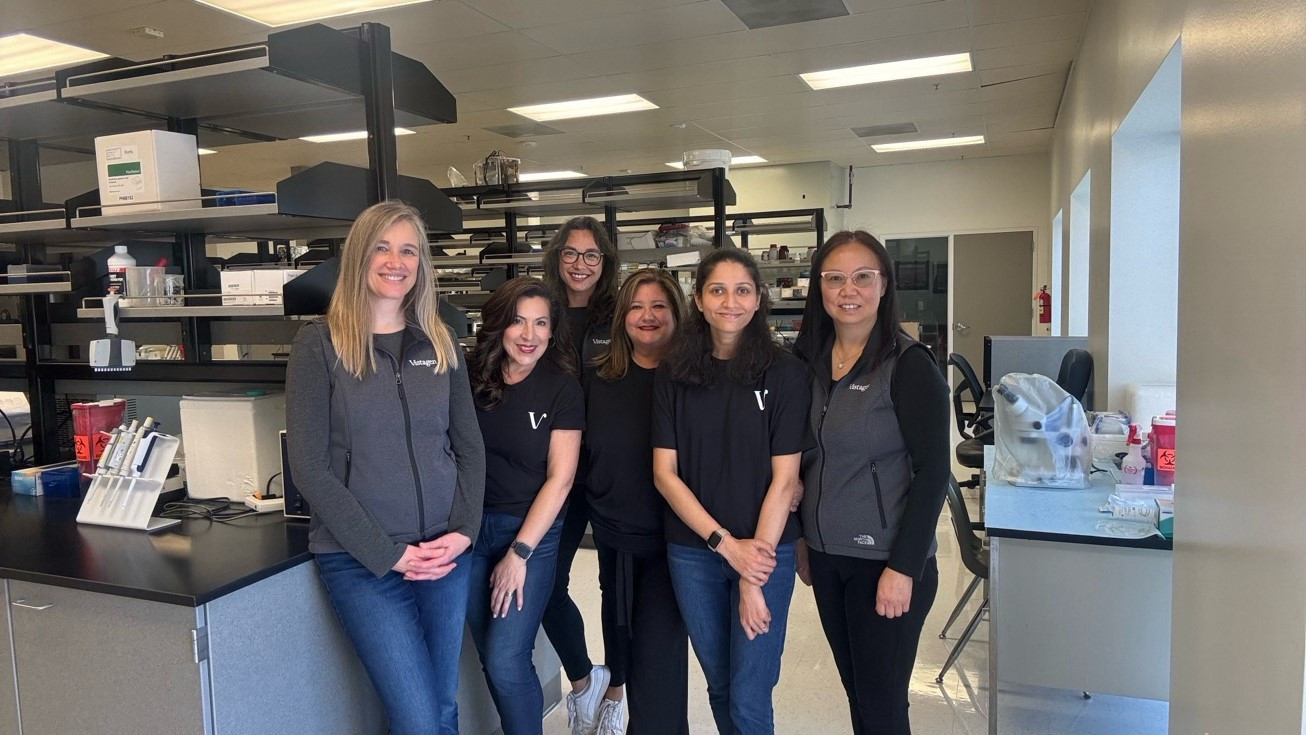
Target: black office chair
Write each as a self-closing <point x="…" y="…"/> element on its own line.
<point x="1076" y="374"/>
<point x="975" y="426"/>
<point x="976" y="559"/>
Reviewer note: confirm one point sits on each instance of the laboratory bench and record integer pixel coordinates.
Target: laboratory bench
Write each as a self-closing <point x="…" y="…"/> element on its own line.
<point x="1073" y="606"/>
<point x="204" y="627"/>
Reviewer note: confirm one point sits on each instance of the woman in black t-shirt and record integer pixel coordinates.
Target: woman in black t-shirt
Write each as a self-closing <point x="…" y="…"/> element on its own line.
<point x="728" y="430"/>
<point x="531" y="412"/>
<point x="644" y="638"/>
<point x="580" y="267"/>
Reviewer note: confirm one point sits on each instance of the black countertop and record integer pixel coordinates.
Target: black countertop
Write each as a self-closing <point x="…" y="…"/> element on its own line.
<point x="189" y="564"/>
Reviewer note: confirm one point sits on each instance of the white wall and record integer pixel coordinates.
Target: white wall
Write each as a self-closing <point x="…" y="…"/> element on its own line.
<point x="1239" y="620"/>
<point x="951" y="197"/>
<point x="1058" y="262"/>
<point x="1078" y="265"/>
<point x="1144" y="274"/>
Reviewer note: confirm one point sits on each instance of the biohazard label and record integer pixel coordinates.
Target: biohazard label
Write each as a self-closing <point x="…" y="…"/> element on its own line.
<point x="1165" y="460"/>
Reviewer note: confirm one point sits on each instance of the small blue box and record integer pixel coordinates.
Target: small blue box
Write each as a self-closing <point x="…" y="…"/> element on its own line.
<point x="237" y="197"/>
<point x="62" y="482"/>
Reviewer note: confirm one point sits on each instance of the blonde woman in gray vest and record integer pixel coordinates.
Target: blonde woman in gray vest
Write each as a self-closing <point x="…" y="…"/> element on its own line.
<point x="876" y="481"/>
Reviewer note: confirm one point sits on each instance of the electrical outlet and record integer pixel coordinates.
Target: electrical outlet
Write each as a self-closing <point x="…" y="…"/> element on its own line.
<point x="266" y="505"/>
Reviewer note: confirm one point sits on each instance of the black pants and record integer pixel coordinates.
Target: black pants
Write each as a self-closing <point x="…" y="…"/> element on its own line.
<point x="562" y="620"/>
<point x="650" y="650"/>
<point x="874" y="654"/>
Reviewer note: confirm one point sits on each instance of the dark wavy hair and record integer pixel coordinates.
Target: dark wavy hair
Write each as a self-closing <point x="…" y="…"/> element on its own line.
<point x="691" y="356"/>
<point x="603" y="302"/>
<point x="497" y="315"/>
<point x="613" y="362"/>
<point x="817" y="332"/>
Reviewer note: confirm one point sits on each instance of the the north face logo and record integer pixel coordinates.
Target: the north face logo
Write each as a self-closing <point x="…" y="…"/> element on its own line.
<point x="864" y="540"/>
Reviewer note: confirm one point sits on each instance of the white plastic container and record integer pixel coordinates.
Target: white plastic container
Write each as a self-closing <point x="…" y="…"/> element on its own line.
<point x="147" y="171"/>
<point x="706" y="158"/>
<point x="231" y="442"/>
<point x="1133" y="466"/>
<point x="119" y="262"/>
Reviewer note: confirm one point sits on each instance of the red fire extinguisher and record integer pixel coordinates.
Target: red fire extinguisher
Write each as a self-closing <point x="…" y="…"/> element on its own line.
<point x="1044" y="300"/>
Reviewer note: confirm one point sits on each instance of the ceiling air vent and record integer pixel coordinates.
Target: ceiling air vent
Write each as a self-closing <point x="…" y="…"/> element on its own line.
<point x="874" y="131"/>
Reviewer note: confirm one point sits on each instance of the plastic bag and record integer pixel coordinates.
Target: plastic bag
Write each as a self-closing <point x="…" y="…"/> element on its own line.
<point x="1041" y="435"/>
<point x="456" y="178"/>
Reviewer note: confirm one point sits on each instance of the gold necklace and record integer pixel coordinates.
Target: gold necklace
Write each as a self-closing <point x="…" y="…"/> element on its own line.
<point x="840" y="363"/>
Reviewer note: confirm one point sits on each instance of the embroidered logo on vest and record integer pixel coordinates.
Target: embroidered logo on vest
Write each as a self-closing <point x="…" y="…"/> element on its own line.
<point x="422" y="363"/>
<point x="861" y="388"/>
<point x="864" y="540"/>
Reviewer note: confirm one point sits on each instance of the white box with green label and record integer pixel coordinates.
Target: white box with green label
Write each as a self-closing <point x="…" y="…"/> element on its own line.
<point x="147" y="171"/>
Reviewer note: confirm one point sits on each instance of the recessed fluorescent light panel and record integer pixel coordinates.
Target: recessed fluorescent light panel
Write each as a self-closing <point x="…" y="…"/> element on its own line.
<point x="734" y="161"/>
<point x="21" y="52"/>
<point x="352" y="135"/>
<point x="889" y="71"/>
<point x="285" y="12"/>
<point x="550" y="175"/>
<point x="584" y="108"/>
<point x="918" y="145"/>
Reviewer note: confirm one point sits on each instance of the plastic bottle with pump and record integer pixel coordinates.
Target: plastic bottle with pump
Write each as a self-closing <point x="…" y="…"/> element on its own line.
<point x="119" y="262"/>
<point x="1133" y="466"/>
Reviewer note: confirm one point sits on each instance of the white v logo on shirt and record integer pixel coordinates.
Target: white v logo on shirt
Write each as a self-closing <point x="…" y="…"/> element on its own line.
<point x="760" y="395"/>
<point x="536" y="424"/>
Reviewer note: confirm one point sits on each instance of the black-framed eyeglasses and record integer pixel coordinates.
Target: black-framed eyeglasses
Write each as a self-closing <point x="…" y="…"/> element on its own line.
<point x="591" y="257"/>
<point x="864" y="278"/>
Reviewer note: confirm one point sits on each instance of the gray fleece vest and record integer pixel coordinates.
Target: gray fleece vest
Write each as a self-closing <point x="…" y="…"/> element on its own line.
<point x="856" y="480"/>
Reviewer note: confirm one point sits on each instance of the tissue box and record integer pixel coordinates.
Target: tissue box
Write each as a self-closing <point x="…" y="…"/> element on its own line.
<point x="268" y="284"/>
<point x="147" y="171"/>
<point x="237" y="288"/>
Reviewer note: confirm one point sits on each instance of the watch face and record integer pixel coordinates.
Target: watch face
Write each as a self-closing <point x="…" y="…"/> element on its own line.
<point x="521" y="550"/>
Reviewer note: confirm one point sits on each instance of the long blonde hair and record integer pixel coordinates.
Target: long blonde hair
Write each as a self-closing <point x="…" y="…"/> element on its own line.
<point x="613" y="362"/>
<point x="349" y="317"/>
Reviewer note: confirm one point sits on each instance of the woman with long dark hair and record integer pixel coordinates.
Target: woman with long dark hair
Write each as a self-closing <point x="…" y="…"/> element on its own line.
<point x="876" y="481"/>
<point x="644" y="638"/>
<point x="531" y="413"/>
<point x="383" y="441"/>
<point x="580" y="267"/>
<point x="728" y="431"/>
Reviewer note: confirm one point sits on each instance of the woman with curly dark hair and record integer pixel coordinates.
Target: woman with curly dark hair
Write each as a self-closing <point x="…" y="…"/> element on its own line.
<point x="729" y="427"/>
<point x="580" y="267"/>
<point x="531" y="413"/>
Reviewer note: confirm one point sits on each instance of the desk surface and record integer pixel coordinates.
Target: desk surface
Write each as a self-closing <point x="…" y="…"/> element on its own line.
<point x="1054" y="514"/>
<point x="189" y="564"/>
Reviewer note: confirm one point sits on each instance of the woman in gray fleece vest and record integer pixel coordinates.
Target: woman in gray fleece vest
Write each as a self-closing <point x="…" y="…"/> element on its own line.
<point x="384" y="443"/>
<point x="875" y="482"/>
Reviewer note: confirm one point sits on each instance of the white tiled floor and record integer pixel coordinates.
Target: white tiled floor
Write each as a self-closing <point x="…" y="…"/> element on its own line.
<point x="810" y="700"/>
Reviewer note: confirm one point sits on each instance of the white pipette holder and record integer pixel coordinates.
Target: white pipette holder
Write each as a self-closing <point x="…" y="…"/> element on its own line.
<point x="127" y="501"/>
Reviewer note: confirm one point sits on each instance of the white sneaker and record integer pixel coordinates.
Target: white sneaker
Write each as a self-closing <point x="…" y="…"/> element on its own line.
<point x="583" y="707"/>
<point x="612" y="718"/>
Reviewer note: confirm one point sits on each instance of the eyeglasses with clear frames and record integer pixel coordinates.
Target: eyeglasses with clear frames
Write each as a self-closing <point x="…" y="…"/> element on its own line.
<point x="591" y="257"/>
<point x="864" y="278"/>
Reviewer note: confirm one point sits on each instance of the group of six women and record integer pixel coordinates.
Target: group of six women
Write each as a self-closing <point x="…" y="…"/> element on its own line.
<point x="450" y="490"/>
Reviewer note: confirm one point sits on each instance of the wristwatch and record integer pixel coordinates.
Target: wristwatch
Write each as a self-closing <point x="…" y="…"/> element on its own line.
<point x="715" y="539"/>
<point x="521" y="549"/>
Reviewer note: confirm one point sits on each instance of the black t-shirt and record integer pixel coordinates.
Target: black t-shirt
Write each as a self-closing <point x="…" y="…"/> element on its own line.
<point x="517" y="434"/>
<point x="725" y="435"/>
<point x="626" y="509"/>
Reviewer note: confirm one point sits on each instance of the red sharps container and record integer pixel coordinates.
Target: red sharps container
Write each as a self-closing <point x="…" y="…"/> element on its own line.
<point x="1163" y="441"/>
<point x="92" y="423"/>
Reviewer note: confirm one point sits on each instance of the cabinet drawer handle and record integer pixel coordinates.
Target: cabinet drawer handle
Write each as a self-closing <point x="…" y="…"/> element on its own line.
<point x="32" y="605"/>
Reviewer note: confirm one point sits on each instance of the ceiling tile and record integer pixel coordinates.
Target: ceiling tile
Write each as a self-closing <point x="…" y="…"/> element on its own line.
<point x="498" y="76"/>
<point x="419" y="24"/>
<point x="915" y="20"/>
<point x="820" y="57"/>
<point x="771" y="13"/>
<point x="649" y="26"/>
<point x="534" y="13"/>
<point x="1034" y="30"/>
<point x="1048" y="84"/>
<point x="474" y="51"/>
<point x="870" y="6"/>
<point x="999" y="11"/>
<point x="1011" y="73"/>
<point x="1035" y="53"/>
<point x="748" y="89"/>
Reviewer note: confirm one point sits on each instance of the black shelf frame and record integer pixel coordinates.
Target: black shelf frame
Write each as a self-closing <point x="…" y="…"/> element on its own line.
<point x="296" y="89"/>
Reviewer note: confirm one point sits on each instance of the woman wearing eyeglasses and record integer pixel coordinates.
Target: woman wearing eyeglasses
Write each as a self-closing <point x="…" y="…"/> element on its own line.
<point x="875" y="482"/>
<point x="580" y="267"/>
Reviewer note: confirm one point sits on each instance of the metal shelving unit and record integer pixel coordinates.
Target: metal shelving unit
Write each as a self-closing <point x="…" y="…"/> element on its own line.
<point x="304" y="81"/>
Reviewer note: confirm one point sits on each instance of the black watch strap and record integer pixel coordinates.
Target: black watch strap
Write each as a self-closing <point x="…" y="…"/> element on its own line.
<point x="522" y="550"/>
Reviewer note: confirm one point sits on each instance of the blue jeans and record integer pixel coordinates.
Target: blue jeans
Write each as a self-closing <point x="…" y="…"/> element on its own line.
<point x="740" y="673"/>
<point x="409" y="636"/>
<point x="507" y="645"/>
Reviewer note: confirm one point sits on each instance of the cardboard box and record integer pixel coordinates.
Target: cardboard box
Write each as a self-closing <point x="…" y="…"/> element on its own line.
<point x="147" y="171"/>
<point x="237" y="288"/>
<point x="268" y="284"/>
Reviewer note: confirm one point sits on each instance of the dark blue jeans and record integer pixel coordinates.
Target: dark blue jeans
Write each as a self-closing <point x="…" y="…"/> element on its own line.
<point x="408" y="635"/>
<point x="740" y="673"/>
<point x="507" y="645"/>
